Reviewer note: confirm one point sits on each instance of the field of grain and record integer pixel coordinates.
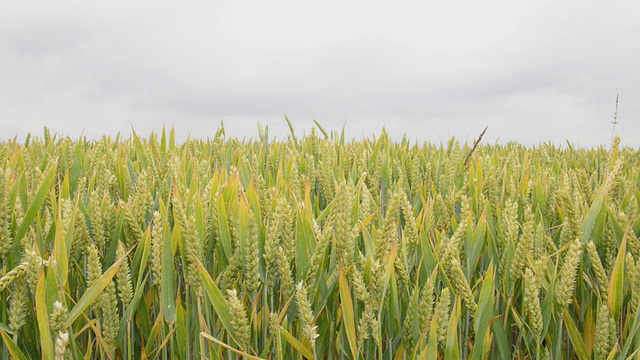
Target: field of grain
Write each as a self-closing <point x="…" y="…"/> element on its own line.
<point x="316" y="247"/>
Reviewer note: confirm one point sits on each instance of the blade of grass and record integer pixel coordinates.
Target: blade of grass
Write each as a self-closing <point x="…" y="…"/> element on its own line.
<point x="452" y="350"/>
<point x="575" y="336"/>
<point x="90" y="296"/>
<point x="616" y="283"/>
<point x="346" y="303"/>
<point x="36" y="203"/>
<point x="14" y="350"/>
<point x="297" y="345"/>
<point x="241" y="353"/>
<point x="483" y="316"/>
<point x="218" y="301"/>
<point x="168" y="289"/>
<point x="42" y="314"/>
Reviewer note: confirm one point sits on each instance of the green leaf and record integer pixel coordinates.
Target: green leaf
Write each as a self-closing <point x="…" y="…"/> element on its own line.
<point x="452" y="350"/>
<point x="616" y="283"/>
<point x="14" y="350"/>
<point x="127" y="317"/>
<point x="224" y="232"/>
<point x="631" y="335"/>
<point x="141" y="256"/>
<point x="502" y="343"/>
<point x="140" y="153"/>
<point x="575" y="336"/>
<point x="42" y="314"/>
<point x="297" y="345"/>
<point x="153" y="334"/>
<point x="432" y="344"/>
<point x="346" y="303"/>
<point x="90" y="296"/>
<point x="218" y="301"/>
<point x="241" y="353"/>
<point x="594" y="211"/>
<point x="60" y="253"/>
<point x="36" y="203"/>
<point x="305" y="242"/>
<point x="168" y="289"/>
<point x="483" y="316"/>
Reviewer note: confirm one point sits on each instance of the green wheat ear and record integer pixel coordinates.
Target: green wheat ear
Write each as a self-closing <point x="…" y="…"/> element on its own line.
<point x="305" y="314"/>
<point x="441" y="314"/>
<point x="110" y="319"/>
<point x="240" y="322"/>
<point x="123" y="278"/>
<point x="531" y="302"/>
<point x="568" y="272"/>
<point x="157" y="243"/>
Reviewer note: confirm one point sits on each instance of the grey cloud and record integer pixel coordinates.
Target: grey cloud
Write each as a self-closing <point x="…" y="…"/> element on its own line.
<point x="548" y="77"/>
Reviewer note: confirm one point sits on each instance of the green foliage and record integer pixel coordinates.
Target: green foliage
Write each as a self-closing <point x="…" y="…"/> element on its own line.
<point x="315" y="247"/>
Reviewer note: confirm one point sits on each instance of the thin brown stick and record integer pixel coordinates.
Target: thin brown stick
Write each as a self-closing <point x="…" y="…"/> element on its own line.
<point x="475" y="144"/>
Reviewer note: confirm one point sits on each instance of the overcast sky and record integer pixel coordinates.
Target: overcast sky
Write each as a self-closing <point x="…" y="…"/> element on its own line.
<point x="533" y="71"/>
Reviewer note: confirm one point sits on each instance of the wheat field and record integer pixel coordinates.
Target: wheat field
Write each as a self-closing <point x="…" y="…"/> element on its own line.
<point x="316" y="247"/>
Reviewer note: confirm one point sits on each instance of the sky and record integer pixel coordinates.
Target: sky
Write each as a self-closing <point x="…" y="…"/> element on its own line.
<point x="533" y="71"/>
